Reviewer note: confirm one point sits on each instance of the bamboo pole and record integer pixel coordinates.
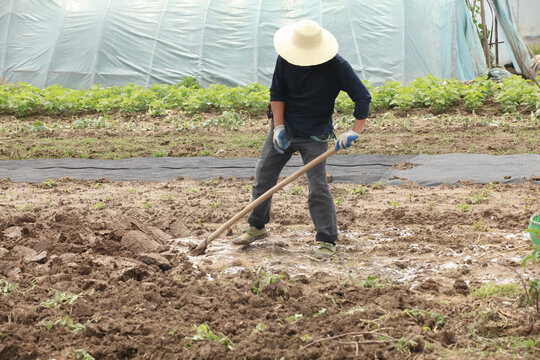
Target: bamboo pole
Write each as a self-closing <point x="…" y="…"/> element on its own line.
<point x="484" y="33"/>
<point x="496" y="42"/>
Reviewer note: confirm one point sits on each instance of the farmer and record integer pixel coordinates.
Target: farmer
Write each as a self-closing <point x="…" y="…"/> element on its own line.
<point x="308" y="76"/>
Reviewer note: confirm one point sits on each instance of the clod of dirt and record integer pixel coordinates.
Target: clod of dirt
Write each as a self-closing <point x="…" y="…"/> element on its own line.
<point x="91" y="330"/>
<point x="429" y="285"/>
<point x="136" y="273"/>
<point x="525" y="330"/>
<point x="273" y="291"/>
<point x="158" y="234"/>
<point x="179" y="230"/>
<point x="398" y="178"/>
<point x="405" y="165"/>
<point x="12" y="232"/>
<point x="401" y="264"/>
<point x="302" y="279"/>
<point x="137" y="242"/>
<point x="13" y="273"/>
<point x="394" y="213"/>
<point x="461" y="287"/>
<point x="446" y="337"/>
<point x="29" y="255"/>
<point x="156" y="259"/>
<point x="417" y="344"/>
<point x="98" y="285"/>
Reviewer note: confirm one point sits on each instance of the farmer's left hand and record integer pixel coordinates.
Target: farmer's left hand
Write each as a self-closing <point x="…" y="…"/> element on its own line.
<point x="345" y="140"/>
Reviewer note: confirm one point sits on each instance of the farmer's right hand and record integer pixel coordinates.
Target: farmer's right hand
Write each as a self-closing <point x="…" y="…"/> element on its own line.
<point x="280" y="139"/>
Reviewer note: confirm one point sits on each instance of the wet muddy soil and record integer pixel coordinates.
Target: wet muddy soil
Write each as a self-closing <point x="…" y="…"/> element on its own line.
<point x="103" y="269"/>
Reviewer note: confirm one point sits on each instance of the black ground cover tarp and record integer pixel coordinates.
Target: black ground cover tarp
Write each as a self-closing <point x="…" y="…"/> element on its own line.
<point x="426" y="170"/>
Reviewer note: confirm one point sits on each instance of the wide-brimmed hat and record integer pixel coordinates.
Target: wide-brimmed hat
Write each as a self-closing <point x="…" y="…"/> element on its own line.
<point x="305" y="43"/>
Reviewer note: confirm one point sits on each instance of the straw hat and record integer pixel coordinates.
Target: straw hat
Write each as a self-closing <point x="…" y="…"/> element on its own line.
<point x="305" y="43"/>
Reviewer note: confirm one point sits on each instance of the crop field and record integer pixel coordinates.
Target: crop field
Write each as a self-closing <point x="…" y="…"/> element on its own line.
<point x="102" y="270"/>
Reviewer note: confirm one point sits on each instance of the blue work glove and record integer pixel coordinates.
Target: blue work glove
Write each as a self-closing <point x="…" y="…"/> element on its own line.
<point x="346" y="139"/>
<point x="280" y="139"/>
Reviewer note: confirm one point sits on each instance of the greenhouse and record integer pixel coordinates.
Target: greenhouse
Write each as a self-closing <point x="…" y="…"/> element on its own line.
<point x="77" y="44"/>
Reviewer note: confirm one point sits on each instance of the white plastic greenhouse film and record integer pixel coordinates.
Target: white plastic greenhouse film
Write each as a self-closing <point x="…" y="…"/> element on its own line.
<point x="526" y="13"/>
<point x="79" y="43"/>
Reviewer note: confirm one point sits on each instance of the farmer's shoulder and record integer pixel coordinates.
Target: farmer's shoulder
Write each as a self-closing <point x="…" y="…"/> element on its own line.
<point x="339" y="62"/>
<point x="340" y="66"/>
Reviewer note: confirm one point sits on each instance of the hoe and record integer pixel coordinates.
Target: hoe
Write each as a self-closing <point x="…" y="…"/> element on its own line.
<point x="199" y="250"/>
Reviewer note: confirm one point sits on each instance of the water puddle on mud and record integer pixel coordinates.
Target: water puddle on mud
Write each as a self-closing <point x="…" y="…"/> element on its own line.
<point x="364" y="255"/>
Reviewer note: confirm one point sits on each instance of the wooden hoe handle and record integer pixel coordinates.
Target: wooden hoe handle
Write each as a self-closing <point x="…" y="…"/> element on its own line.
<point x="202" y="246"/>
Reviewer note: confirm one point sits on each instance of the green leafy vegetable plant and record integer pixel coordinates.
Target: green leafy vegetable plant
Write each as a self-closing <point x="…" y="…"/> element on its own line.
<point x="61" y="298"/>
<point x="83" y="355"/>
<point x="298" y="190"/>
<point x="377" y="185"/>
<point x="513" y="93"/>
<point x="48" y="183"/>
<point x="7" y="287"/>
<point x="359" y="190"/>
<point x="371" y="281"/>
<point x="435" y="320"/>
<point x="66" y="322"/>
<point x="259" y="328"/>
<point x="320" y="312"/>
<point x="149" y="204"/>
<point x="99" y="205"/>
<point x="394" y="204"/>
<point x="263" y="279"/>
<point x="293" y="319"/>
<point x="203" y="333"/>
<point x="482" y="196"/>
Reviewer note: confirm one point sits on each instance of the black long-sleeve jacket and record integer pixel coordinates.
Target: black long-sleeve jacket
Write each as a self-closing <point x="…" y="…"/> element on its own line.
<point x="309" y="93"/>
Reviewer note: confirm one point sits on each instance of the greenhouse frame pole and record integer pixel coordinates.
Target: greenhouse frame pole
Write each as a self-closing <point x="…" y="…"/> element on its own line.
<point x="484" y="33"/>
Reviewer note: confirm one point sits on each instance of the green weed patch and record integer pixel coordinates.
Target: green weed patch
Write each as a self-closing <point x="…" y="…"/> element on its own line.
<point x="492" y="289"/>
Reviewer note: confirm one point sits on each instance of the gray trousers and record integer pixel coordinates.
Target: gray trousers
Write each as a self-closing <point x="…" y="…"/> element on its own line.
<point x="320" y="201"/>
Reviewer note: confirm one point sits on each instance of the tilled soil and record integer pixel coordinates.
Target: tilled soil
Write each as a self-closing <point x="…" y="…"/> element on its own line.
<point x="104" y="269"/>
